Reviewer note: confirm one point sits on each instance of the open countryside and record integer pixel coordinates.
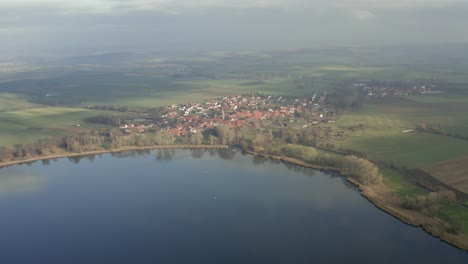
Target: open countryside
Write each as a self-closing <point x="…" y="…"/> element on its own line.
<point x="394" y="126"/>
<point x="233" y="131"/>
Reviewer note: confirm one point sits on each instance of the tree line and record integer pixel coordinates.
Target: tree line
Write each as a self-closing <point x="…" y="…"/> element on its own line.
<point x="117" y="108"/>
<point x="430" y="205"/>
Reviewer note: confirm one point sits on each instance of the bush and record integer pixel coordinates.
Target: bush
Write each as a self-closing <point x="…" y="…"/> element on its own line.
<point x="428" y="204"/>
<point x="365" y="170"/>
<point x="454" y="225"/>
<point x="299" y="152"/>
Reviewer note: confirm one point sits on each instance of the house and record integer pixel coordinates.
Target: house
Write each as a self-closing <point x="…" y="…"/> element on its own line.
<point x="140" y="129"/>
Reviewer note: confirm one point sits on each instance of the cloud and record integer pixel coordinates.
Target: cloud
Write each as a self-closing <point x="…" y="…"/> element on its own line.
<point x="362" y="15"/>
<point x="106" y="6"/>
<point x="359" y="9"/>
<point x="73" y="25"/>
<point x="395" y="4"/>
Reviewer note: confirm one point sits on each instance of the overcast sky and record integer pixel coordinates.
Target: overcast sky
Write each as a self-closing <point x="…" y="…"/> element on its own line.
<point x="76" y="27"/>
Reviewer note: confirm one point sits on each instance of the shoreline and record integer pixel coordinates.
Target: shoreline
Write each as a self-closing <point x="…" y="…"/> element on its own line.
<point x="107" y="151"/>
<point x="379" y="196"/>
<point x="384" y="200"/>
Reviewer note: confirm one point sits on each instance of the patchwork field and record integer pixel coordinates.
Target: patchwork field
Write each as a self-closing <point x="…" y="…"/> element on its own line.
<point x="447" y="114"/>
<point x="159" y="81"/>
<point x="145" y="90"/>
<point x="27" y="126"/>
<point x="443" y="157"/>
<point x="382" y="138"/>
<point x="410" y="150"/>
<point x="453" y="172"/>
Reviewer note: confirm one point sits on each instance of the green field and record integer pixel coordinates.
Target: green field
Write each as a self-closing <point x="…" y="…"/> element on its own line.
<point x="399" y="184"/>
<point x="11" y="102"/>
<point x="382" y="138"/>
<point x="156" y="81"/>
<point x="160" y="81"/>
<point x="409" y="150"/>
<point x="455" y="212"/>
<point x="447" y="114"/>
<point x="141" y="90"/>
<point x="27" y="126"/>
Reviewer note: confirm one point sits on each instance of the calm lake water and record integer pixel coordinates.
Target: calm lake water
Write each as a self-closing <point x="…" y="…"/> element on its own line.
<point x="197" y="207"/>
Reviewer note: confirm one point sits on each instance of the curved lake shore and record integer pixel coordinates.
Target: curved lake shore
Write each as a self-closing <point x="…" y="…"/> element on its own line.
<point x="380" y="196"/>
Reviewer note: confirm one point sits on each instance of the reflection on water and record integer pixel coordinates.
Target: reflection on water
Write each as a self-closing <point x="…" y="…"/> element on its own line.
<point x="226" y="154"/>
<point x="197" y="153"/>
<point x="212" y="152"/>
<point x="131" y="153"/>
<point x="13" y="180"/>
<point x="214" y="206"/>
<point x="14" y="183"/>
<point x="165" y="154"/>
<point x="298" y="169"/>
<point x="76" y="159"/>
<point x="258" y="160"/>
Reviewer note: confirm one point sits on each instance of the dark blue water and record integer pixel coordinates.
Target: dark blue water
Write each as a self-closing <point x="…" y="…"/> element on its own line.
<point x="179" y="207"/>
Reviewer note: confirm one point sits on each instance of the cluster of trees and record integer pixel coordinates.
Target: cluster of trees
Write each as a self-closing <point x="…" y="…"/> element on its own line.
<point x="224" y="134"/>
<point x="292" y="143"/>
<point x="110" y="108"/>
<point x="304" y="153"/>
<point x="365" y="171"/>
<point x="105" y="120"/>
<point x="346" y="98"/>
<point x="265" y="139"/>
<point x="112" y="139"/>
<point x="396" y="84"/>
<point x="428" y="204"/>
<point x="93" y="140"/>
<point x="49" y="146"/>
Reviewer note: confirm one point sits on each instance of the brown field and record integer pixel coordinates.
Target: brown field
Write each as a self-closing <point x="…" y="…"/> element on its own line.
<point x="453" y="172"/>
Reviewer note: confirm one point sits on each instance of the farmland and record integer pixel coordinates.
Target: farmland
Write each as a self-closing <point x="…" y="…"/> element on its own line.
<point x="52" y="102"/>
<point x="156" y="81"/>
<point x="408" y="150"/>
<point x="400" y="185"/>
<point x="382" y="137"/>
<point x="453" y="212"/>
<point x="148" y="82"/>
<point x="11" y="102"/>
<point x="453" y="172"/>
<point x="27" y="126"/>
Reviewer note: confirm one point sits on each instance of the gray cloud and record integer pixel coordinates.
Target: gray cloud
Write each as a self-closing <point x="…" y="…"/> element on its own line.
<point x="362" y="14"/>
<point x="178" y="6"/>
<point x="73" y="26"/>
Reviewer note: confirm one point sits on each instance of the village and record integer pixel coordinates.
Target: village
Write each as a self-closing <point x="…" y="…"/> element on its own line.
<point x="379" y="91"/>
<point x="233" y="111"/>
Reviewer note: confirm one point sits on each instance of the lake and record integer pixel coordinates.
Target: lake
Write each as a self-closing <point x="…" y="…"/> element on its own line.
<point x="183" y="206"/>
